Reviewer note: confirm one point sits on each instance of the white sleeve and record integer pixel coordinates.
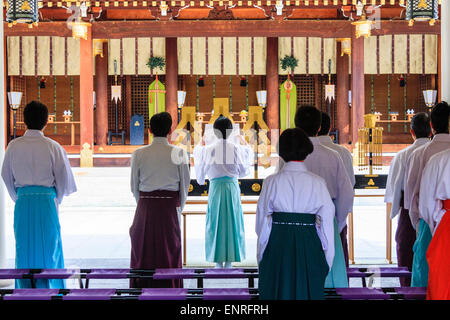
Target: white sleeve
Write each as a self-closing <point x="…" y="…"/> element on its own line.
<point x="134" y="181"/>
<point x="429" y="200"/>
<point x="392" y="177"/>
<point x="8" y="176"/>
<point x="62" y="171"/>
<point x="325" y="230"/>
<point x="244" y="159"/>
<point x="200" y="163"/>
<point x="349" y="166"/>
<point x="344" y="197"/>
<point x="264" y="210"/>
<point x="185" y="180"/>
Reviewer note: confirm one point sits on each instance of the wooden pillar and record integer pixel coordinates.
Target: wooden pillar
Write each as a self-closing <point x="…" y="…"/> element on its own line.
<point x="273" y="94"/>
<point x="101" y="96"/>
<point x="358" y="93"/>
<point x="342" y="87"/>
<point x="128" y="105"/>
<point x="86" y="101"/>
<point x="172" y="80"/>
<point x="443" y="52"/>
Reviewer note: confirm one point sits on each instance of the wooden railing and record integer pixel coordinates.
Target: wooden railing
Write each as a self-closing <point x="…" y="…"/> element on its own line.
<point x="351" y="251"/>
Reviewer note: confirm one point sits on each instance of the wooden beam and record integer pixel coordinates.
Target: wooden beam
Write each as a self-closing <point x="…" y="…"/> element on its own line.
<point x="273" y="97"/>
<point x="358" y="89"/>
<point x="342" y="87"/>
<point x="101" y="95"/>
<point x="224" y="28"/>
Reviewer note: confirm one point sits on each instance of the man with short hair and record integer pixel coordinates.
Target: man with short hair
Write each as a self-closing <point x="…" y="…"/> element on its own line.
<point x="160" y="181"/>
<point x="405" y="235"/>
<point x="327" y="164"/>
<point x="347" y="159"/>
<point x="414" y="168"/>
<point x="38" y="176"/>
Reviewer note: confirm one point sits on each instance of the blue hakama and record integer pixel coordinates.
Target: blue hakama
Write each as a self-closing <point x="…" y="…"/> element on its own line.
<point x="38" y="235"/>
<point x="225" y="238"/>
<point x="337" y="277"/>
<point x="420" y="264"/>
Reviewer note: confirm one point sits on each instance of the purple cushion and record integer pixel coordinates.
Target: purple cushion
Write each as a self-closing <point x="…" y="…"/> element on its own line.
<point x="13" y="273"/>
<point x="163" y="294"/>
<point x="32" y="294"/>
<point x="385" y="272"/>
<point x="412" y="292"/>
<point x="108" y="274"/>
<point x="362" y="294"/>
<point x="226" y="294"/>
<point x="224" y="273"/>
<point x="173" y="273"/>
<point x="57" y="274"/>
<point x="90" y="294"/>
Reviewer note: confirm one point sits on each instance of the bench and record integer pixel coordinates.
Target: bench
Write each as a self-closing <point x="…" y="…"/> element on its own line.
<point x="401" y="293"/>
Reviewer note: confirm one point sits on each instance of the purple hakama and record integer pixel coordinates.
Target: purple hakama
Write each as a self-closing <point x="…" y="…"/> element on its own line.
<point x="156" y="237"/>
<point x="405" y="236"/>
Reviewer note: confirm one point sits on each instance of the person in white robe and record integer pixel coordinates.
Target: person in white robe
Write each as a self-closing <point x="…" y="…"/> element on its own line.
<point x="294" y="224"/>
<point x="414" y="170"/>
<point x="223" y="162"/>
<point x="405" y="235"/>
<point x="37" y="175"/>
<point x="434" y="207"/>
<point x="327" y="164"/>
<point x="347" y="159"/>
<point x="160" y="180"/>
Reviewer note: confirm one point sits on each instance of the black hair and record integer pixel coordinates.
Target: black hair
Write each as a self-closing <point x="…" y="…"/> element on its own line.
<point x="325" y="125"/>
<point x="420" y="125"/>
<point x="309" y="119"/>
<point x="294" y="145"/>
<point x="440" y="116"/>
<point x="160" y="124"/>
<point x="222" y="127"/>
<point x="35" y="115"/>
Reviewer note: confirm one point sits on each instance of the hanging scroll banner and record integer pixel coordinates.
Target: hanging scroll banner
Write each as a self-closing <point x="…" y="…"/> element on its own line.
<point x="116" y="93"/>
<point x="156" y="98"/>
<point x="288" y="104"/>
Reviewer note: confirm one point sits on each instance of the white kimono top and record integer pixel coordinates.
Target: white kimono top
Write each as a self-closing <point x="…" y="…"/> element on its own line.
<point x="35" y="160"/>
<point x="434" y="188"/>
<point x="414" y="169"/>
<point x="296" y="190"/>
<point x="160" y="166"/>
<point x="396" y="178"/>
<point x="346" y="155"/>
<point x="327" y="163"/>
<point x="222" y="158"/>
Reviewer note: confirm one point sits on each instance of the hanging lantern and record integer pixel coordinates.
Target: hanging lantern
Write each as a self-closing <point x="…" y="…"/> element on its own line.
<point x="98" y="47"/>
<point x="346" y="46"/>
<point x="79" y="29"/>
<point x="22" y="11"/>
<point x="422" y="10"/>
<point x="363" y="26"/>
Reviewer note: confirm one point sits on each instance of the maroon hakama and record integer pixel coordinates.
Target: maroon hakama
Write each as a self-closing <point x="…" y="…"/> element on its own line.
<point x="405" y="236"/>
<point x="156" y="237"/>
<point x="345" y="245"/>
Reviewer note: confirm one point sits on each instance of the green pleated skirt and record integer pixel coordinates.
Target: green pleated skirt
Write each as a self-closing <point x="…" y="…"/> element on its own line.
<point x="225" y="237"/>
<point x="420" y="264"/>
<point x="293" y="266"/>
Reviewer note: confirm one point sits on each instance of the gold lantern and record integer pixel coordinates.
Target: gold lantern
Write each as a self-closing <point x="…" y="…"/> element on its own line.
<point x="79" y="29"/>
<point x="98" y="47"/>
<point x="346" y="46"/>
<point x="363" y="26"/>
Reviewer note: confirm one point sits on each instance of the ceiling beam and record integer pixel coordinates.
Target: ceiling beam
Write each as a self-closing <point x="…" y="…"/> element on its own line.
<point x="225" y="28"/>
